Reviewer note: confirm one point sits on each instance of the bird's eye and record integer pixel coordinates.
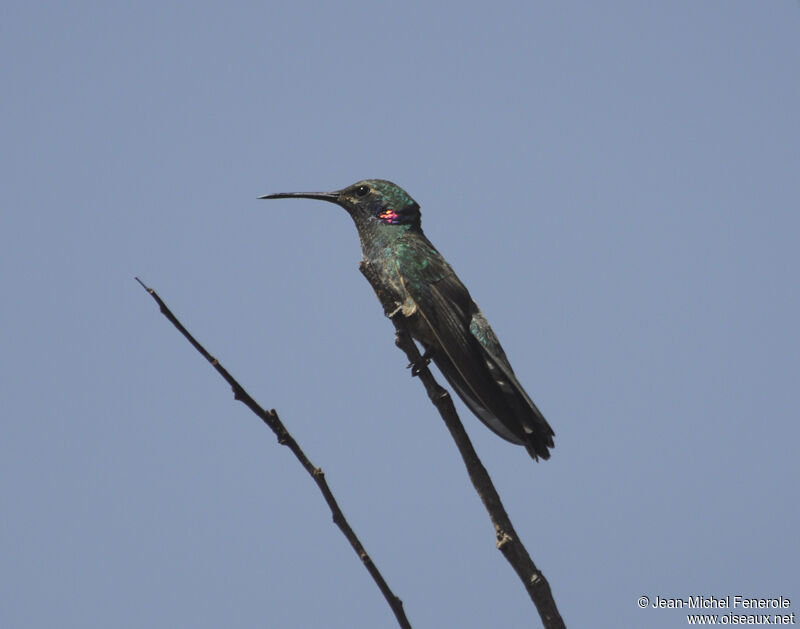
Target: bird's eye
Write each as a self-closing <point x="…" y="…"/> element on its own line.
<point x="362" y="190"/>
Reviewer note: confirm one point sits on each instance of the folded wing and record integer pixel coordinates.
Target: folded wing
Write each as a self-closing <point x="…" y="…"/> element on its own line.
<point x="472" y="360"/>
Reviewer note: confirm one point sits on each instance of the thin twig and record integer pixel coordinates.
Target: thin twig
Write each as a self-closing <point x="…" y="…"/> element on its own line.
<point x="271" y="419"/>
<point x="508" y="542"/>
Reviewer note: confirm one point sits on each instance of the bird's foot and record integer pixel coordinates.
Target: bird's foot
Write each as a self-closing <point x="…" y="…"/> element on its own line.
<point x="423" y="362"/>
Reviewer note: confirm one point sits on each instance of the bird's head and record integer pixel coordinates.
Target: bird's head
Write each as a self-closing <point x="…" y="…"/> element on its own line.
<point x="369" y="202"/>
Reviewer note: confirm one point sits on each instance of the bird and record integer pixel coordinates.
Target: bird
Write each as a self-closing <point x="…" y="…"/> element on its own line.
<point x="438" y="309"/>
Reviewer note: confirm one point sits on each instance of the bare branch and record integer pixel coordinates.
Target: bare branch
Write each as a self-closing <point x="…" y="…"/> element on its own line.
<point x="271" y="419"/>
<point x="508" y="542"/>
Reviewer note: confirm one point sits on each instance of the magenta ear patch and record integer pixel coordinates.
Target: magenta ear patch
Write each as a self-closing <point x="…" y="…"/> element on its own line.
<point x="389" y="216"/>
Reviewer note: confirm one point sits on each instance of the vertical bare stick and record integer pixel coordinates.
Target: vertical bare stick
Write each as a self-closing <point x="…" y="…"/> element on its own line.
<point x="508" y="542"/>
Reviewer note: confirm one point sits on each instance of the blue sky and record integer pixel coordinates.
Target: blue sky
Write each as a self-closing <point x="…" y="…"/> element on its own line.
<point x="615" y="182"/>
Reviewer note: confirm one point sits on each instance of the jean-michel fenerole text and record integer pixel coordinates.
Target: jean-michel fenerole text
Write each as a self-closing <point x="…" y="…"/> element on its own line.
<point x="722" y="602"/>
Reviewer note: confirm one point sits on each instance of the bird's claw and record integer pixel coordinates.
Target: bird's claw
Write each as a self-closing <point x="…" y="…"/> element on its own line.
<point x="422" y="363"/>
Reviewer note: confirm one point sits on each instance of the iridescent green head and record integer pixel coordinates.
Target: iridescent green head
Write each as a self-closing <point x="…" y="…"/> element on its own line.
<point x="368" y="201"/>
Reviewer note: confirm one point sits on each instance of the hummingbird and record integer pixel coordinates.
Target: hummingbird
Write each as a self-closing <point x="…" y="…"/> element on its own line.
<point x="439" y="310"/>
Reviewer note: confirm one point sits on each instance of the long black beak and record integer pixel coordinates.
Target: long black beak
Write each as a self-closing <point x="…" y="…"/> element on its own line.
<point x="333" y="197"/>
